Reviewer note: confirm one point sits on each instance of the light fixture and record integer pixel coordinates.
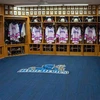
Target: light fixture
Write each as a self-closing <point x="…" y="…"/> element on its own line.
<point x="26" y="5"/>
<point x="39" y="5"/>
<point x="46" y="4"/>
<point x="51" y="5"/>
<point x="75" y="4"/>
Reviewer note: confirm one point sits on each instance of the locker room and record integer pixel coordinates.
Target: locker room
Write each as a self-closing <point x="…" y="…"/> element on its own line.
<point x="49" y="50"/>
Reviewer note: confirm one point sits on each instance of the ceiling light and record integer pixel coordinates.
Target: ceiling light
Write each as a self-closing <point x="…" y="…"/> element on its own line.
<point x="45" y="4"/>
<point x="75" y="4"/>
<point x="26" y="5"/>
<point x="39" y="5"/>
<point x="51" y="5"/>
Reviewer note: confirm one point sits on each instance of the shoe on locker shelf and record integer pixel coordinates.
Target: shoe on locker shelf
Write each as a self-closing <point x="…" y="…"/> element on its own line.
<point x="17" y="42"/>
<point x="13" y="49"/>
<point x="71" y="48"/>
<point x="12" y="42"/>
<point x="79" y="48"/>
<point x="92" y="48"/>
<point x="31" y="48"/>
<point x="9" y="53"/>
<point x="18" y="49"/>
<point x="7" y="41"/>
<point x="22" y="51"/>
<point x="38" y="48"/>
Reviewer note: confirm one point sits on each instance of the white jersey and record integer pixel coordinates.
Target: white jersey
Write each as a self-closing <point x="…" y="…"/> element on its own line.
<point x="76" y="35"/>
<point x="36" y="34"/>
<point x="23" y="32"/>
<point x="62" y="34"/>
<point x="14" y="33"/>
<point x="49" y="34"/>
<point x="90" y="34"/>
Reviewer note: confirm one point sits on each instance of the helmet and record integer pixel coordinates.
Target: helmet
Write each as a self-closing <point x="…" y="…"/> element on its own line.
<point x="62" y="20"/>
<point x="35" y="20"/>
<point x="49" y="20"/>
<point x="76" y="20"/>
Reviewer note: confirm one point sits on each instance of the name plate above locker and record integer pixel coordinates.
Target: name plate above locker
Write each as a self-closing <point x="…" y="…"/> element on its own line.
<point x="58" y="10"/>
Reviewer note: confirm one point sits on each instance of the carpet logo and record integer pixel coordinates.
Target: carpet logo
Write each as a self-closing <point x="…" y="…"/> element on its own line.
<point x="47" y="68"/>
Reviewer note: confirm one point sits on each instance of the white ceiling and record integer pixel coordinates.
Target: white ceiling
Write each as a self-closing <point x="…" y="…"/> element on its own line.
<point x="49" y="1"/>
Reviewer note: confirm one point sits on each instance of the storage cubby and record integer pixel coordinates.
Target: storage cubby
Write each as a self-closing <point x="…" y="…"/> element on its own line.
<point x="36" y="32"/>
<point x="99" y="19"/>
<point x="98" y="50"/>
<point x="0" y="50"/>
<point x="75" y="50"/>
<point x="16" y="50"/>
<point x="48" y="19"/>
<point x="1" y="30"/>
<point x="35" y="19"/>
<point x="15" y="30"/>
<point x="61" y="48"/>
<point x="90" y="19"/>
<point x="90" y="33"/>
<point x="76" y="19"/>
<point x="1" y="18"/>
<point x="90" y="50"/>
<point x="76" y="34"/>
<point x="98" y="35"/>
<point x="49" y="33"/>
<point x="34" y="47"/>
<point x="62" y="33"/>
<point x="62" y="19"/>
<point x="47" y="49"/>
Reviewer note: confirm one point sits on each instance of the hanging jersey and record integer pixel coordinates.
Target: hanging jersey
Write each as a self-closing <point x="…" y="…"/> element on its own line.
<point x="36" y="34"/>
<point x="90" y="35"/>
<point x="23" y="32"/>
<point x="62" y="34"/>
<point x="99" y="36"/>
<point x="49" y="34"/>
<point x="14" y="33"/>
<point x="20" y="27"/>
<point x="76" y="35"/>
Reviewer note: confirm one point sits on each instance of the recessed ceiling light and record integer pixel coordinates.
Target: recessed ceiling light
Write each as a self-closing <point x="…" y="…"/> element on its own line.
<point x="75" y="4"/>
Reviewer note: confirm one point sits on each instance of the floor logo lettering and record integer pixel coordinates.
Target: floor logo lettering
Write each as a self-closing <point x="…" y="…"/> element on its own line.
<point x="47" y="68"/>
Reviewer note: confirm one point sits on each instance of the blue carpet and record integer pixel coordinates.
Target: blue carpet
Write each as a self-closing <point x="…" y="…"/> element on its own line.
<point x="83" y="82"/>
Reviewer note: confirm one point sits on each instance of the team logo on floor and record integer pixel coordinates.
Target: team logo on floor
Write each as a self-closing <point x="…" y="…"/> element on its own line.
<point x="47" y="68"/>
